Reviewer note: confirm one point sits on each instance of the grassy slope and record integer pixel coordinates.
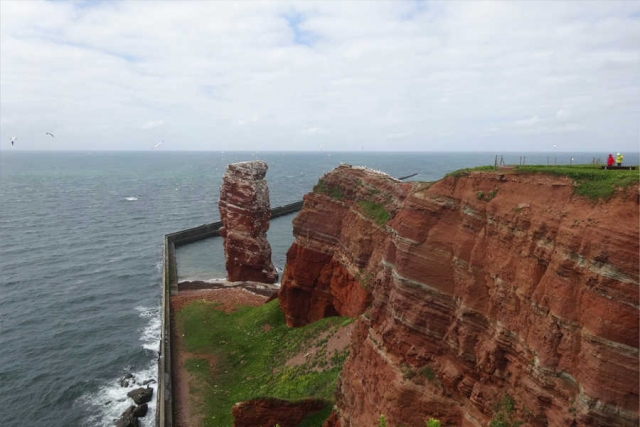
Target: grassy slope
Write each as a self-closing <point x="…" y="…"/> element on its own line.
<point x="251" y="356"/>
<point x="592" y="182"/>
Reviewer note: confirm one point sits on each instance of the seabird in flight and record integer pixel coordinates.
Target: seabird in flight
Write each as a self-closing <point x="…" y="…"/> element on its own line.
<point x="13" y="139"/>
<point x="158" y="144"/>
<point x="49" y="133"/>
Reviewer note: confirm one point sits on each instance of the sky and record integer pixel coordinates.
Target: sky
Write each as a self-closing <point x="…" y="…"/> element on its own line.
<point x="320" y="75"/>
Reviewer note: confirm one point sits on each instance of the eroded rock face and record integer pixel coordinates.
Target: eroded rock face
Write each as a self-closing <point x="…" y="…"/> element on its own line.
<point x="528" y="293"/>
<point x="245" y="211"/>
<point x="331" y="265"/>
<point x="272" y="412"/>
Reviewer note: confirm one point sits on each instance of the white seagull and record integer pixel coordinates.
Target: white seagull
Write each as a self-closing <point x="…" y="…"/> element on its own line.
<point x="13" y="139"/>
<point x="49" y="133"/>
<point x="158" y="144"/>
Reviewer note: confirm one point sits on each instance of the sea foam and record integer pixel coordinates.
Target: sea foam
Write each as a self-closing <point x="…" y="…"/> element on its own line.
<point x="110" y="400"/>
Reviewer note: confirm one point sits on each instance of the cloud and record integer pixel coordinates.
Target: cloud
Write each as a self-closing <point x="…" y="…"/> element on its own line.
<point x="527" y="123"/>
<point x="311" y="130"/>
<point x="451" y="72"/>
<point x="151" y="124"/>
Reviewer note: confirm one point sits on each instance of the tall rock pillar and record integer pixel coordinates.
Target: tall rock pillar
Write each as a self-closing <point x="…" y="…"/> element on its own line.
<point x="245" y="211"/>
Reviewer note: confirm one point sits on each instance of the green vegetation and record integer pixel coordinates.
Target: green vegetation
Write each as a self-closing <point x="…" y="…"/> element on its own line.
<point x="593" y="182"/>
<point x="365" y="279"/>
<point x="374" y="211"/>
<point x="382" y="421"/>
<point x="504" y="413"/>
<point x="250" y="347"/>
<point x="433" y="423"/>
<point x="467" y="171"/>
<point x="335" y="192"/>
<point x="428" y="373"/>
<point x="318" y="418"/>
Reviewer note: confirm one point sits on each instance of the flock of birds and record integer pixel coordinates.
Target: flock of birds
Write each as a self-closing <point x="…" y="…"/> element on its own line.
<point x="15" y="138"/>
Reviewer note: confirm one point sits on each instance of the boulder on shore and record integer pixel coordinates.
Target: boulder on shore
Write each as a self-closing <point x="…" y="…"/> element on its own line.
<point x="141" y="395"/>
<point x="128" y="418"/>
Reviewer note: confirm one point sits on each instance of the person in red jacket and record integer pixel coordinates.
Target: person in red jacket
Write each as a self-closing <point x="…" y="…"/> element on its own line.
<point x="610" y="160"/>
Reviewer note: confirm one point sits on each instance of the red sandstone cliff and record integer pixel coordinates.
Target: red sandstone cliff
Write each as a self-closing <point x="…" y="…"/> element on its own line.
<point x="528" y="291"/>
<point x="245" y="211"/>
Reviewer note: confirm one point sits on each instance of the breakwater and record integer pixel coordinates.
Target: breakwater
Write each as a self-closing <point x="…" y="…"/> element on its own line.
<point x="164" y="411"/>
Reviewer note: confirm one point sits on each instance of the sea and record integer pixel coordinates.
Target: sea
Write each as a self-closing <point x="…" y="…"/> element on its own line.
<point x="80" y="260"/>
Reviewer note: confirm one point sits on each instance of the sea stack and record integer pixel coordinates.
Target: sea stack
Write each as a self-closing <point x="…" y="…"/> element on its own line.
<point x="245" y="212"/>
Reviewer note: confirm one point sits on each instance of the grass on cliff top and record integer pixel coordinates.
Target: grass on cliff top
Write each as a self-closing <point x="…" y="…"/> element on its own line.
<point x="251" y="347"/>
<point x="592" y="182"/>
<point x="372" y="210"/>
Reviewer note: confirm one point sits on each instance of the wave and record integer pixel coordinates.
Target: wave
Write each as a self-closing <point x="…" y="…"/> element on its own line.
<point x="131" y="199"/>
<point x="110" y="400"/>
<point x="150" y="335"/>
<point x="202" y="279"/>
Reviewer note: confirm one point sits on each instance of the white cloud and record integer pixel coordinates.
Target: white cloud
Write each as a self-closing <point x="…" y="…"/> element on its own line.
<point x="151" y="124"/>
<point x="311" y="130"/>
<point x="527" y="123"/>
<point x="449" y="72"/>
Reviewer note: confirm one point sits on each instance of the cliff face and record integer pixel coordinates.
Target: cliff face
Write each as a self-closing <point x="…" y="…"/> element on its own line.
<point x="245" y="211"/>
<point x="479" y="293"/>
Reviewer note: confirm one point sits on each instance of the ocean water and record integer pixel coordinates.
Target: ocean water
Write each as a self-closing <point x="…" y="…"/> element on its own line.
<point x="80" y="261"/>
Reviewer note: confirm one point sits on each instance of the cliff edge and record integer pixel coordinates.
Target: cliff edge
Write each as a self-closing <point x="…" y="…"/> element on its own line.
<point x="487" y="296"/>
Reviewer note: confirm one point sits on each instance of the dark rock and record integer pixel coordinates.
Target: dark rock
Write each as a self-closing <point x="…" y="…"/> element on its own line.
<point x="141" y="410"/>
<point x="128" y="419"/>
<point x="141" y="395"/>
<point x="149" y="381"/>
<point x="127" y="380"/>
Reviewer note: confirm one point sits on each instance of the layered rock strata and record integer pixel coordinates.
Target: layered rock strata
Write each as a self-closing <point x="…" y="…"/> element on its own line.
<point x="479" y="297"/>
<point x="245" y="211"/>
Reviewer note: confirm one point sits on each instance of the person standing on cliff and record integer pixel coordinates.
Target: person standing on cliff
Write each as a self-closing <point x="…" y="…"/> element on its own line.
<point x="619" y="158"/>
<point x="610" y="160"/>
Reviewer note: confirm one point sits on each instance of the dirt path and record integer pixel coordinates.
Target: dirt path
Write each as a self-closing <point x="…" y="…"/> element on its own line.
<point x="185" y="405"/>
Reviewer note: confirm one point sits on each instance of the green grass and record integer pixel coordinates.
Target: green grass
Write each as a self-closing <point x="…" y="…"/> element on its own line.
<point x="374" y="211"/>
<point x="503" y="413"/>
<point x="593" y="182"/>
<point x="467" y="171"/>
<point x="318" y="418"/>
<point x="428" y="373"/>
<point x="250" y="358"/>
<point x="335" y="192"/>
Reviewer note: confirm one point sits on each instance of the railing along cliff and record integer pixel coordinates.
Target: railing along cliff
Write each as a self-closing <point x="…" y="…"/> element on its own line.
<point x="164" y="410"/>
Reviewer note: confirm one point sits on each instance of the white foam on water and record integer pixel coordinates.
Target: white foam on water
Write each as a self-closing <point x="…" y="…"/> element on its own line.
<point x="110" y="401"/>
<point x="200" y="279"/>
<point x="131" y="199"/>
<point x="150" y="334"/>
